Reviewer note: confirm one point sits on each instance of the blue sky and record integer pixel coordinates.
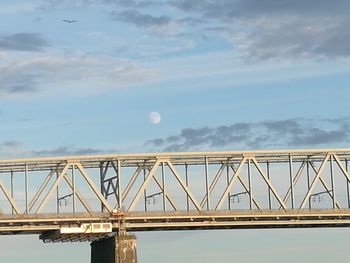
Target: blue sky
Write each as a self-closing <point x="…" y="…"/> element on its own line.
<point x="92" y="84"/>
<point x="224" y="74"/>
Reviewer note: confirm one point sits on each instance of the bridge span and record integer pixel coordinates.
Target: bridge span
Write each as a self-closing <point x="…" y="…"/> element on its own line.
<point x="92" y="197"/>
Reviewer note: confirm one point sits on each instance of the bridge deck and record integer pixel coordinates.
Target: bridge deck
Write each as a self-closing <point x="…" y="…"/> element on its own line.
<point x="153" y="221"/>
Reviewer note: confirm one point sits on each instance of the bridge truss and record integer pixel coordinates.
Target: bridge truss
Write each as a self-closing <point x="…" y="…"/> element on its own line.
<point x="187" y="190"/>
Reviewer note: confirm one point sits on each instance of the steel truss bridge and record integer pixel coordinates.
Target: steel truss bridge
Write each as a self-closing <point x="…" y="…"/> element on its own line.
<point x="88" y="197"/>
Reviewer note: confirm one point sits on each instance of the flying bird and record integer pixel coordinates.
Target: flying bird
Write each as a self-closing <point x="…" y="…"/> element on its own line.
<point x="69" y="21"/>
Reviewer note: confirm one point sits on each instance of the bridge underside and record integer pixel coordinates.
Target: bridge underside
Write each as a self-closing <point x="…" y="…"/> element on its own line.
<point x="50" y="226"/>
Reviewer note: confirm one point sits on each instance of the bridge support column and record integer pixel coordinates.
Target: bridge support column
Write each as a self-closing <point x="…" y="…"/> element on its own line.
<point x="118" y="249"/>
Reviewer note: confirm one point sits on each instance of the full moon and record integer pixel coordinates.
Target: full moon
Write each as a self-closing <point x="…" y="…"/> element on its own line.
<point x="154" y="117"/>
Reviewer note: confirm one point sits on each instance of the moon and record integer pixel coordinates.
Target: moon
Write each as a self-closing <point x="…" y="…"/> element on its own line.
<point x="154" y="117"/>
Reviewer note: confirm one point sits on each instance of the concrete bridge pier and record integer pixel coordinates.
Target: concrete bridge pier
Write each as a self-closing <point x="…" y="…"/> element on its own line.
<point x="118" y="249"/>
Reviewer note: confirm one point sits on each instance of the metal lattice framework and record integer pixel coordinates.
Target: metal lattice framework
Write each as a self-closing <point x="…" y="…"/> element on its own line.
<point x="170" y="187"/>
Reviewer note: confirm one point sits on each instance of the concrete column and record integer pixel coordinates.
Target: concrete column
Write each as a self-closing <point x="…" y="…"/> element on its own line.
<point x="118" y="249"/>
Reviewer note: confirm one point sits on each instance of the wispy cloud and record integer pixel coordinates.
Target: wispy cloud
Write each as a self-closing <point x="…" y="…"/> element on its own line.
<point x="10" y="148"/>
<point x="54" y="4"/>
<point x="17" y="149"/>
<point x="141" y="20"/>
<point x="288" y="133"/>
<point x="90" y="73"/>
<point x="66" y="150"/>
<point x="272" y="29"/>
<point x="23" y="42"/>
<point x="228" y="9"/>
<point x="257" y="30"/>
<point x="134" y="3"/>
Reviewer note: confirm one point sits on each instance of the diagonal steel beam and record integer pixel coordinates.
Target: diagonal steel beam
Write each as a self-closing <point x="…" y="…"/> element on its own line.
<point x="9" y="197"/>
<point x="165" y="193"/>
<point x="77" y="192"/>
<point x="161" y="187"/>
<point x="213" y="184"/>
<point x="93" y="187"/>
<point x="115" y="168"/>
<point x="229" y="186"/>
<point x="143" y="186"/>
<point x="131" y="182"/>
<point x="41" y="189"/>
<point x="117" y="185"/>
<point x="103" y="172"/>
<point x="295" y="180"/>
<point x="53" y="187"/>
<point x="246" y="188"/>
<point x="267" y="181"/>
<point x="316" y="178"/>
<point x="324" y="184"/>
<point x="345" y="173"/>
<point x="183" y="185"/>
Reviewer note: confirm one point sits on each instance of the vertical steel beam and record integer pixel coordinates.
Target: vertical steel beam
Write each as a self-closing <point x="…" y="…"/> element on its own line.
<point x="308" y="180"/>
<point x="228" y="181"/>
<point x="26" y="186"/>
<point x="186" y="178"/>
<point x="332" y="180"/>
<point x="11" y="179"/>
<point x="207" y="183"/>
<point x="73" y="184"/>
<point x="347" y="182"/>
<point x="163" y="186"/>
<point x="268" y="177"/>
<point x="102" y="187"/>
<point x="250" y="186"/>
<point x="120" y="199"/>
<point x="144" y="191"/>
<point x="57" y="193"/>
<point x="291" y="175"/>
